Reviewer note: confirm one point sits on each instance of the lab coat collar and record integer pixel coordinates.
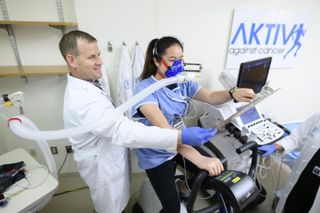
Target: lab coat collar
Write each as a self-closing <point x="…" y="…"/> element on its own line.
<point x="83" y="84"/>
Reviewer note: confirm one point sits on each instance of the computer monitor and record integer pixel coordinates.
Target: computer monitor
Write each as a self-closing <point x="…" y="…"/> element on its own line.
<point x="254" y="74"/>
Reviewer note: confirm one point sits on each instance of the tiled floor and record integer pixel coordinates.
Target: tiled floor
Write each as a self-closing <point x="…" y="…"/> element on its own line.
<point x="79" y="201"/>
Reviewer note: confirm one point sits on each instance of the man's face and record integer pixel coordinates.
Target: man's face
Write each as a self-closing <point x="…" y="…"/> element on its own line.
<point x="87" y="65"/>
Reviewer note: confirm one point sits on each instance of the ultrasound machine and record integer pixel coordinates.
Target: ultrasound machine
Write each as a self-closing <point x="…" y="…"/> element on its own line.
<point x="245" y="119"/>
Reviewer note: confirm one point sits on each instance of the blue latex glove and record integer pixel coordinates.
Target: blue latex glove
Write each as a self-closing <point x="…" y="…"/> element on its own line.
<point x="267" y="150"/>
<point x="196" y="136"/>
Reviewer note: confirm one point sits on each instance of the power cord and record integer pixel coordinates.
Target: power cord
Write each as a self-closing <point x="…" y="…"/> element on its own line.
<point x="64" y="161"/>
<point x="71" y="190"/>
<point x="262" y="170"/>
<point x="262" y="167"/>
<point x="191" y="108"/>
<point x="186" y="181"/>
<point x="45" y="178"/>
<point x="29" y="186"/>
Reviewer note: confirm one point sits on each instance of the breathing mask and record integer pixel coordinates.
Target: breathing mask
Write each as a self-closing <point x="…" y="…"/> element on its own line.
<point x="175" y="69"/>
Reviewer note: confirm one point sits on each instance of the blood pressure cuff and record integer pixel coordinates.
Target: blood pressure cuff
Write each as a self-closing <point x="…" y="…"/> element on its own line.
<point x="10" y="173"/>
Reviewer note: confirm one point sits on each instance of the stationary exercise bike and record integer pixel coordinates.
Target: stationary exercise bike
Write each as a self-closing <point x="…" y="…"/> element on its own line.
<point x="231" y="191"/>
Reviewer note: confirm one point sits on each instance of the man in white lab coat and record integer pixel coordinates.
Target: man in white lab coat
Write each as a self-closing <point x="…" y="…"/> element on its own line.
<point x="301" y="194"/>
<point x="101" y="155"/>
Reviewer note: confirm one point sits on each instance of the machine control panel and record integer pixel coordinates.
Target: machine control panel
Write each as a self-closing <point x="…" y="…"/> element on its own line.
<point x="265" y="131"/>
<point x="256" y="126"/>
<point x="246" y="118"/>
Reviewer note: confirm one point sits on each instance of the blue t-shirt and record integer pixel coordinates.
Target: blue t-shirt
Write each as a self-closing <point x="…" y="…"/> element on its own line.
<point x="172" y="103"/>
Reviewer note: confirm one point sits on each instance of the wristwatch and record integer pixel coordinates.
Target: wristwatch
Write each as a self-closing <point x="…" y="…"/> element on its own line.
<point x="231" y="91"/>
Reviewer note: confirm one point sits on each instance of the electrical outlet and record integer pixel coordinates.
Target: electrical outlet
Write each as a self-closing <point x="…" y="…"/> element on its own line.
<point x="54" y="150"/>
<point x="69" y="149"/>
<point x="33" y="153"/>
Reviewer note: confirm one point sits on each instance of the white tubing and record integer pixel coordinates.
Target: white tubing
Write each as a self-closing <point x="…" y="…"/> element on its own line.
<point x="21" y="130"/>
<point x="44" y="147"/>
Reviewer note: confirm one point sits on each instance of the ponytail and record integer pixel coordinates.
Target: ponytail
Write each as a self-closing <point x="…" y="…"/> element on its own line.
<point x="149" y="67"/>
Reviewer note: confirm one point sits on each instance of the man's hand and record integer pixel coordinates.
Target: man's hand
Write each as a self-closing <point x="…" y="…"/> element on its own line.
<point x="267" y="150"/>
<point x="196" y="136"/>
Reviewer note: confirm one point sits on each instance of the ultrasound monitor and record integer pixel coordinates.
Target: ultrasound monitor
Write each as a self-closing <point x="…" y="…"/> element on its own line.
<point x="249" y="116"/>
<point x="254" y="74"/>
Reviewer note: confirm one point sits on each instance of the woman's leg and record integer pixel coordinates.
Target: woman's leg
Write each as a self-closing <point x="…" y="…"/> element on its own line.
<point x="163" y="182"/>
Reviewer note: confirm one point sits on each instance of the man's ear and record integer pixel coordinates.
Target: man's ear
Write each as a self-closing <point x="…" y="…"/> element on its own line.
<point x="71" y="61"/>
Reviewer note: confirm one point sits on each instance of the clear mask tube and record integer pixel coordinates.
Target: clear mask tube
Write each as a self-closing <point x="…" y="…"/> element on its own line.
<point x="18" y="124"/>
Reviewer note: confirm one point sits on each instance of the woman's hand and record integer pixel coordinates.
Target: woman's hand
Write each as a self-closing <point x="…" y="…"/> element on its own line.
<point x="212" y="165"/>
<point x="243" y="94"/>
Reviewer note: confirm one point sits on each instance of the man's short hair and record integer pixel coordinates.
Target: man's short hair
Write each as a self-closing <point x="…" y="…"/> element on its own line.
<point x="68" y="42"/>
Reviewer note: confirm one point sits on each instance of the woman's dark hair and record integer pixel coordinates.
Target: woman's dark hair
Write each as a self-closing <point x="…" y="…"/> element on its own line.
<point x="156" y="49"/>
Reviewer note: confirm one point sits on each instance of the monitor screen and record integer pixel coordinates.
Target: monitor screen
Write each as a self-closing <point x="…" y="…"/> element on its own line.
<point x="254" y="74"/>
<point x="249" y="116"/>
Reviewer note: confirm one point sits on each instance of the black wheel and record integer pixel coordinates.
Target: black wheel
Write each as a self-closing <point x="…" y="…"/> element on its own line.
<point x="136" y="208"/>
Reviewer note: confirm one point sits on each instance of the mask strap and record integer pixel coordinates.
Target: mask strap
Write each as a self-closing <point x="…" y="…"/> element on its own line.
<point x="165" y="63"/>
<point x="160" y="73"/>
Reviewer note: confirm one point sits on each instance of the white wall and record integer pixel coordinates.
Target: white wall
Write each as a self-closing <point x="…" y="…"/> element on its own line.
<point x="203" y="26"/>
<point x="38" y="45"/>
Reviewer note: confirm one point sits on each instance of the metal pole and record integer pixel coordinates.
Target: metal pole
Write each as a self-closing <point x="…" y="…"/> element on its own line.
<point x="12" y="37"/>
<point x="60" y="13"/>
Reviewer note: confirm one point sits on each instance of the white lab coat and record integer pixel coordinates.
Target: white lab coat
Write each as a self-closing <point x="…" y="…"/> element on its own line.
<point x="105" y="82"/>
<point x="100" y="154"/>
<point x="307" y="137"/>
<point x="136" y="65"/>
<point x="124" y="91"/>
